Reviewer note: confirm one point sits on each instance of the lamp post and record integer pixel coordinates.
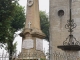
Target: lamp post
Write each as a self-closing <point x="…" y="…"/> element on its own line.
<point x="70" y="43"/>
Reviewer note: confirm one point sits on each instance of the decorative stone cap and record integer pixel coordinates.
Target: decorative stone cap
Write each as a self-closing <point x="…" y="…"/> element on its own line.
<point x="34" y="32"/>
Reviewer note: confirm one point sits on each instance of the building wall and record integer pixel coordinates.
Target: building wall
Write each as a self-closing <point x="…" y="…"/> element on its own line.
<point x="58" y="32"/>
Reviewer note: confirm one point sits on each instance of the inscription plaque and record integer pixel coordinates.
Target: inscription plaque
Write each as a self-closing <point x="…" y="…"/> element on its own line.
<point x="39" y="44"/>
<point x="27" y="44"/>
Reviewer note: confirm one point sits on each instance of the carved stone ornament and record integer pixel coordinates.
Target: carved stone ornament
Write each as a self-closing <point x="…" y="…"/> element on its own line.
<point x="30" y="3"/>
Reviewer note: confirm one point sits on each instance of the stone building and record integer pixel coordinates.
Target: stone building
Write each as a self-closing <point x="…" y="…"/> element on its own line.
<point x="59" y="13"/>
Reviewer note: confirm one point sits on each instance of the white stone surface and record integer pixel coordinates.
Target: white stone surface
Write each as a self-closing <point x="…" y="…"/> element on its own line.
<point x="27" y="44"/>
<point x="39" y="44"/>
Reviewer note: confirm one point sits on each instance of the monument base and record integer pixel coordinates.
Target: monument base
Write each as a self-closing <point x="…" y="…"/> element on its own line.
<point x="38" y="55"/>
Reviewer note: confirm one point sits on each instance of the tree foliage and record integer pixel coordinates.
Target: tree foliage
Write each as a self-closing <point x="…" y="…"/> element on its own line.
<point x="16" y="23"/>
<point x="6" y="15"/>
<point x="44" y="24"/>
<point x="19" y="18"/>
<point x="12" y="19"/>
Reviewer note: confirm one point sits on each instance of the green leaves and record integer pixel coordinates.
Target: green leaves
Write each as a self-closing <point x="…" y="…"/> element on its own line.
<point x="6" y="14"/>
<point x="44" y="24"/>
<point x="19" y="18"/>
<point x="12" y="17"/>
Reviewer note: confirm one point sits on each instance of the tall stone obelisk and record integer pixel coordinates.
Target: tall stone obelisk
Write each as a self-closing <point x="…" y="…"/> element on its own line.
<point x="32" y="36"/>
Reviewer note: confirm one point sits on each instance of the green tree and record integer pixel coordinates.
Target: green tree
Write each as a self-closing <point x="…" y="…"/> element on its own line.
<point x="12" y="18"/>
<point x="6" y="14"/>
<point x="44" y="24"/>
<point x="19" y="18"/>
<point x="16" y="23"/>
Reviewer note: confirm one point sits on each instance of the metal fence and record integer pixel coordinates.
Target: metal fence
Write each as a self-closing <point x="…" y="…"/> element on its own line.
<point x="5" y="56"/>
<point x="65" y="56"/>
<point x="41" y="56"/>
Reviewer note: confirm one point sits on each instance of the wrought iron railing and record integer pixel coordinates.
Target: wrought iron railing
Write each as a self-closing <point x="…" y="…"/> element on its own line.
<point x="37" y="56"/>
